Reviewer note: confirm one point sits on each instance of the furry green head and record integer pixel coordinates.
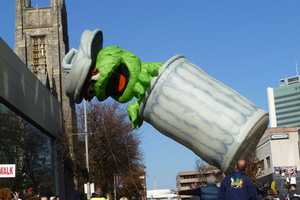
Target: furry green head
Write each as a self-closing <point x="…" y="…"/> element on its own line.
<point x="121" y="75"/>
<point x="116" y="74"/>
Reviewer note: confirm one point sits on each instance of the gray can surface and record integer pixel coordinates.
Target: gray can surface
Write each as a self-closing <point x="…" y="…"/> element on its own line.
<point x="200" y="112"/>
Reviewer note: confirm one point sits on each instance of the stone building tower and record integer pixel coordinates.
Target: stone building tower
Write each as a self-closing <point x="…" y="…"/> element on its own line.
<point x="41" y="41"/>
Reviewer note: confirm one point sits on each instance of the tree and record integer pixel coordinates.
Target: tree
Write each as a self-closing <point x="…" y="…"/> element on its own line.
<point x="113" y="150"/>
<point x="252" y="167"/>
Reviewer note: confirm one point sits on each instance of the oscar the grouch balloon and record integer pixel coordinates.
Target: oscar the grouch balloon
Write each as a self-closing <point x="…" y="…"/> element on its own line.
<point x="176" y="97"/>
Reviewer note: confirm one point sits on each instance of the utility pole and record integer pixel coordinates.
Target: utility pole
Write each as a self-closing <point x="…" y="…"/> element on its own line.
<point x="87" y="186"/>
<point x="115" y="187"/>
<point x="87" y="151"/>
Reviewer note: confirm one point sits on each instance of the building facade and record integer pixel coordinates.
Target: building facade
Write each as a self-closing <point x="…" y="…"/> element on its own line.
<point x="41" y="42"/>
<point x="29" y="130"/>
<point x="284" y="103"/>
<point x="189" y="180"/>
<point x="278" y="157"/>
<point x="186" y="181"/>
<point x="163" y="194"/>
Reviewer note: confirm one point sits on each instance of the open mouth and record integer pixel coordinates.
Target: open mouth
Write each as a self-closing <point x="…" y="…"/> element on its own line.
<point x="118" y="81"/>
<point x="116" y="84"/>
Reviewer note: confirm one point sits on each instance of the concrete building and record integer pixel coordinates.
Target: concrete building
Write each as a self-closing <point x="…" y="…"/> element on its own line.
<point x="32" y="91"/>
<point x="185" y="181"/>
<point x="284" y="103"/>
<point x="30" y="111"/>
<point x="41" y="41"/>
<point x="188" y="180"/>
<point x="163" y="194"/>
<point x="278" y="156"/>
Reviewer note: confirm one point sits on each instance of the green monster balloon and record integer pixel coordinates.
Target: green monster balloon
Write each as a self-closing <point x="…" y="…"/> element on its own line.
<point x="123" y="76"/>
<point x="176" y="97"/>
<point x="109" y="72"/>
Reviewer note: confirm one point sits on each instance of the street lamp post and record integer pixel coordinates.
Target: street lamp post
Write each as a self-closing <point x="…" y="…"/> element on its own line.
<point x="86" y="139"/>
<point x="115" y="187"/>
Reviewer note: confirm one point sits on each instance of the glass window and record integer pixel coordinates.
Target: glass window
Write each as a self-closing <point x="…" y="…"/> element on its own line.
<point x="30" y="150"/>
<point x="260" y="168"/>
<point x="268" y="162"/>
<point x="39" y="63"/>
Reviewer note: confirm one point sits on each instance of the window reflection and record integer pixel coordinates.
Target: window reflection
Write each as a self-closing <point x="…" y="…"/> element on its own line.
<point x="30" y="149"/>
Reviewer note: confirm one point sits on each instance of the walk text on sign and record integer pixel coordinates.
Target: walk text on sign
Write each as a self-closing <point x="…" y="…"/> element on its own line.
<point x="7" y="171"/>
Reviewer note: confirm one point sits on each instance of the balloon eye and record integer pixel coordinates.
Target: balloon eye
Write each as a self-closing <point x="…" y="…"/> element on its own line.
<point x="95" y="71"/>
<point x="94" y="74"/>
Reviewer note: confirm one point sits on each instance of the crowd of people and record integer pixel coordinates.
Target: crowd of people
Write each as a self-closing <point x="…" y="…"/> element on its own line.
<point x="238" y="186"/>
<point x="28" y="194"/>
<point x="235" y="186"/>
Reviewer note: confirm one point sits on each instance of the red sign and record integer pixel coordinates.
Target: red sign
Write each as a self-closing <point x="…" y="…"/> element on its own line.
<point x="7" y="171"/>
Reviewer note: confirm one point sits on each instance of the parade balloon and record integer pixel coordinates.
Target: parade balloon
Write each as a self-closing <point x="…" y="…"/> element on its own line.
<point x="176" y="97"/>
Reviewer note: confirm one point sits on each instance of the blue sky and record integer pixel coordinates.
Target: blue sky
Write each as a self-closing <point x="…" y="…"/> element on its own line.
<point x="249" y="45"/>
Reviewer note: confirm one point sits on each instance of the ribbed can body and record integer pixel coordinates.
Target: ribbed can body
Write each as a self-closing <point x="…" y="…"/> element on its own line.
<point x="202" y="113"/>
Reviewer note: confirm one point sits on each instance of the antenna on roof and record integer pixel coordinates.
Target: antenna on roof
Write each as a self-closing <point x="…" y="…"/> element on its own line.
<point x="297" y="69"/>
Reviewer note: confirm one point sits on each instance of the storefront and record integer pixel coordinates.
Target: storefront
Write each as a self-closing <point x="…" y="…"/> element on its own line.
<point x="30" y="149"/>
<point x="30" y="126"/>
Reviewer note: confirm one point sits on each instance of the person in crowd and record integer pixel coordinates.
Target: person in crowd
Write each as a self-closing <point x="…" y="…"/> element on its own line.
<point x="98" y="195"/>
<point x="16" y="196"/>
<point x="292" y="193"/>
<point x="29" y="195"/>
<point x="238" y="186"/>
<point x="53" y="198"/>
<point x="261" y="192"/>
<point x="76" y="194"/>
<point x="274" y="192"/>
<point x="268" y="195"/>
<point x="5" y="194"/>
<point x="210" y="191"/>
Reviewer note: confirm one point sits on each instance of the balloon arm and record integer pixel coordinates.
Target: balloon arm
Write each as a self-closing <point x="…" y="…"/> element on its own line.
<point x="149" y="70"/>
<point x="133" y="111"/>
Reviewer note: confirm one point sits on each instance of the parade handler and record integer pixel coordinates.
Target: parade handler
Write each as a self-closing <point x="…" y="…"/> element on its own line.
<point x="176" y="97"/>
